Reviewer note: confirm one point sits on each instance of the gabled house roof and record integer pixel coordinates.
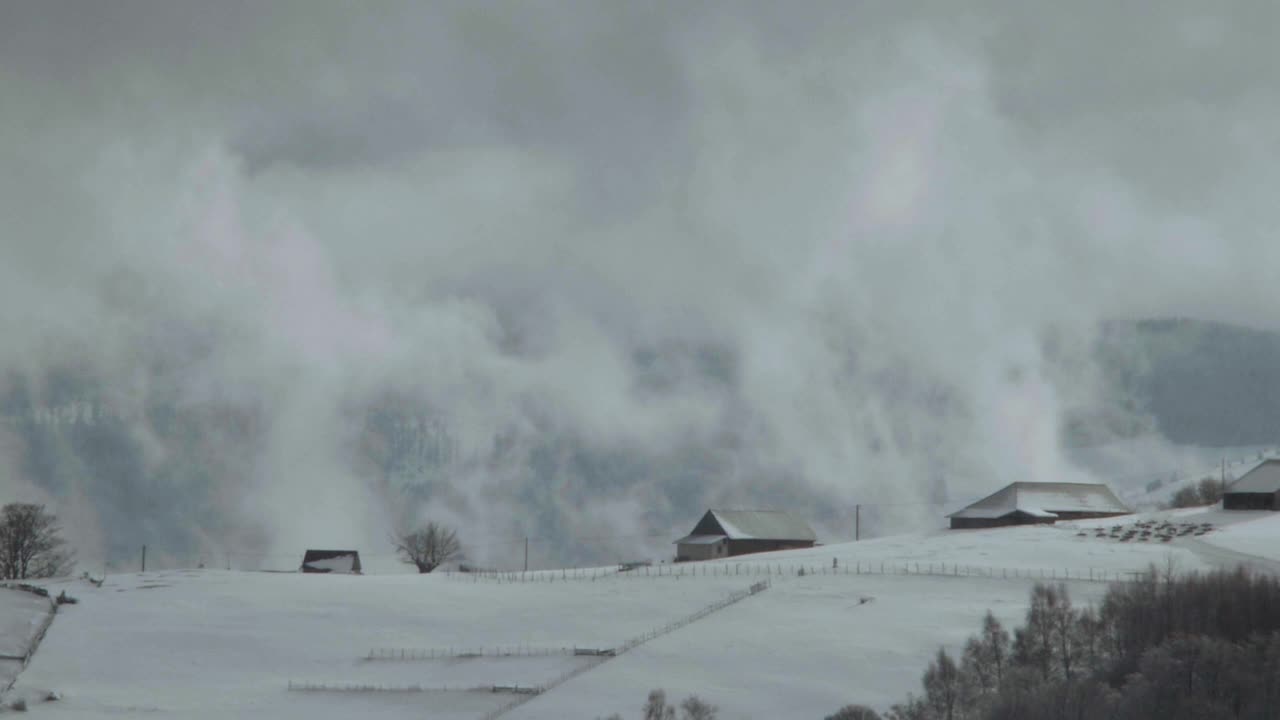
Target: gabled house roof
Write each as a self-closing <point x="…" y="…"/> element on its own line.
<point x="1265" y="478"/>
<point x="1044" y="500"/>
<point x="716" y="525"/>
<point x="331" y="561"/>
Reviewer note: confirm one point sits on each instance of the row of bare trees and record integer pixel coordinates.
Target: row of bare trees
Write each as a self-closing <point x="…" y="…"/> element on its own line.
<point x="1206" y="492"/>
<point x="1202" y="647"/>
<point x="657" y="708"/>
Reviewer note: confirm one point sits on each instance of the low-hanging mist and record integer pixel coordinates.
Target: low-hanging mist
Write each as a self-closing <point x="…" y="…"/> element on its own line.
<point x="295" y="276"/>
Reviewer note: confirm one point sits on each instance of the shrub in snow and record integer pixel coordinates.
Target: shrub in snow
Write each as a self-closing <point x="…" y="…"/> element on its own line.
<point x="18" y="705"/>
<point x="854" y="712"/>
<point x="656" y="708"/>
<point x="693" y="708"/>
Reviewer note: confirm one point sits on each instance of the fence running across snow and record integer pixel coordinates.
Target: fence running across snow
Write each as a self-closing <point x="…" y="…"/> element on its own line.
<point x="594" y="656"/>
<point x="374" y="688"/>
<point x="600" y="657"/>
<point x="412" y="654"/>
<point x="780" y="569"/>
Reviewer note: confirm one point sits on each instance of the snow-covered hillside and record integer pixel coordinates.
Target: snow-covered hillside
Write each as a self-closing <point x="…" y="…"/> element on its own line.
<point x="216" y="644"/>
<point x="22" y="617"/>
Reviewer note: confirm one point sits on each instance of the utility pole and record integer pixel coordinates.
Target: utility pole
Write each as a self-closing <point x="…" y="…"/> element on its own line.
<point x="857" y="523"/>
<point x="1223" y="480"/>
<point x="144" y="558"/>
<point x="526" y="553"/>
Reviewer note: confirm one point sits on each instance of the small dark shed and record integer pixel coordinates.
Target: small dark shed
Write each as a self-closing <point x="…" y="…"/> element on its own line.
<point x="1258" y="489"/>
<point x="725" y="533"/>
<point x="345" y="562"/>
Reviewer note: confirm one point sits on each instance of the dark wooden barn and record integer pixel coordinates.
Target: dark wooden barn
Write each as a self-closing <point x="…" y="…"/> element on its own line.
<point x="1029" y="503"/>
<point x="1258" y="489"/>
<point x="331" y="561"/>
<point x="725" y="533"/>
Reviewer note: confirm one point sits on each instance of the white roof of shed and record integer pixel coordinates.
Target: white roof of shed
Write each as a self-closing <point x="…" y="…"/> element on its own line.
<point x="700" y="539"/>
<point x="1265" y="478"/>
<point x="763" y="525"/>
<point x="1044" y="500"/>
<point x="750" y="525"/>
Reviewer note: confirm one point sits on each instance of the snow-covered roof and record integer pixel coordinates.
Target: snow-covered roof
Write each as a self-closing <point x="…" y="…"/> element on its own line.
<point x="1265" y="478"/>
<point x="1044" y="500"/>
<point x="996" y="512"/>
<point x="700" y="539"/>
<point x="331" y="561"/>
<point x="754" y="525"/>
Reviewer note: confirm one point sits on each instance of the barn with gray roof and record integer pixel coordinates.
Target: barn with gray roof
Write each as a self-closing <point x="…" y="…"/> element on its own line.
<point x="1258" y="489"/>
<point x="725" y="533"/>
<point x="1028" y="503"/>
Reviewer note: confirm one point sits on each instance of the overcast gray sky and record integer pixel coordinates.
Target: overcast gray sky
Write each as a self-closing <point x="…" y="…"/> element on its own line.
<point x="867" y="215"/>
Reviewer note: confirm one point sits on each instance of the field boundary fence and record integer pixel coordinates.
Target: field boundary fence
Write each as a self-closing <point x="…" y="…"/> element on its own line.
<point x="601" y="656"/>
<point x="418" y="654"/>
<point x="793" y="569"/>
<point x="320" y="687"/>
<point x="736" y="597"/>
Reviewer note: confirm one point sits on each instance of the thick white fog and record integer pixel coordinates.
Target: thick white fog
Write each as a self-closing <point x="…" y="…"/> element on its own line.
<point x="579" y="270"/>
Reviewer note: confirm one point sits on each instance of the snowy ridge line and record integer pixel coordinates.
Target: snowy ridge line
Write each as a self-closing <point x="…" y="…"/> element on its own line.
<point x="775" y="569"/>
<point x="631" y="644"/>
<point x="414" y="654"/>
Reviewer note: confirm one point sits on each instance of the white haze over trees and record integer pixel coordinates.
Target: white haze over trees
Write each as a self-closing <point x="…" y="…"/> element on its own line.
<point x="579" y="270"/>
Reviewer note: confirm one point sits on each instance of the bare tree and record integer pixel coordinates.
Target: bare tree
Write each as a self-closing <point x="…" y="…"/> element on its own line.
<point x="30" y="543"/>
<point x="943" y="689"/>
<point x="695" y="709"/>
<point x="429" y="547"/>
<point x="656" y="707"/>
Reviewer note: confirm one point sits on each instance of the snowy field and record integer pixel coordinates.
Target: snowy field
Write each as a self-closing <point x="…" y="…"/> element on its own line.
<point x="22" y="614"/>
<point x="217" y="644"/>
<point x="1255" y="533"/>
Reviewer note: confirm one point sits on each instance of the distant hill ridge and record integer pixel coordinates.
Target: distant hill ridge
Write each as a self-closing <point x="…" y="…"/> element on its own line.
<point x="1203" y="383"/>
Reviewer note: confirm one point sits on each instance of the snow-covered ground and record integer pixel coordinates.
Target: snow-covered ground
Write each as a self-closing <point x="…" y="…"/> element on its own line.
<point x="22" y="615"/>
<point x="1254" y="532"/>
<point x="215" y="644"/>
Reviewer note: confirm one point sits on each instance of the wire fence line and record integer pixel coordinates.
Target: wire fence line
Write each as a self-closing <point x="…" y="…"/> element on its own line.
<point x="522" y="694"/>
<point x="412" y="654"/>
<point x="601" y="657"/>
<point x="418" y="654"/>
<point x="673" y="626"/>
<point x="786" y="569"/>
<point x="295" y="686"/>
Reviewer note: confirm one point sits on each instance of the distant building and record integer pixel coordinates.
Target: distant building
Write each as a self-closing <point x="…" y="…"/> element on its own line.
<point x="725" y="533"/>
<point x="1029" y="503"/>
<point x="1258" y="489"/>
<point x="346" y="562"/>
